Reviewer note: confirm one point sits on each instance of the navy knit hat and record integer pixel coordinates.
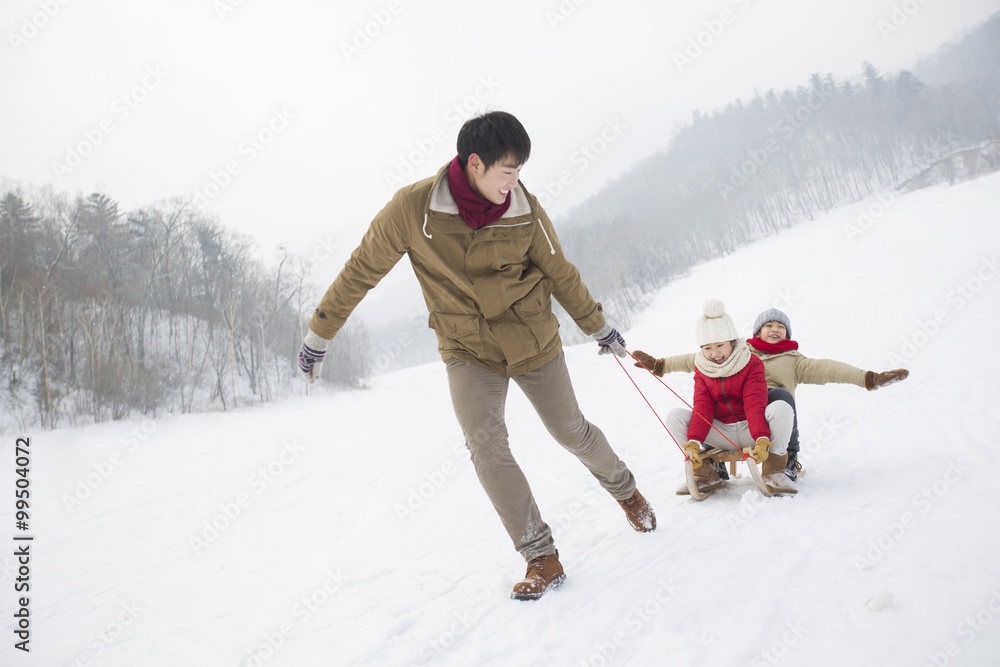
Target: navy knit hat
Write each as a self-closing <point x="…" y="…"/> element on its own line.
<point x="772" y="315"/>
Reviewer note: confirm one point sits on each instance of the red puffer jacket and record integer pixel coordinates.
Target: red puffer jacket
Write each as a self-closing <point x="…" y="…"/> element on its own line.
<point x="739" y="397"/>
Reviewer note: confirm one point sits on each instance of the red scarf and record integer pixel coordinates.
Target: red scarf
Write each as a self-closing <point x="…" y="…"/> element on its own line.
<point x="476" y="211"/>
<point x="772" y="348"/>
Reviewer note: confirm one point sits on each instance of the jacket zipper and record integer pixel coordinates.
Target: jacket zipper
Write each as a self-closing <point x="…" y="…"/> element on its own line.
<point x="722" y="388"/>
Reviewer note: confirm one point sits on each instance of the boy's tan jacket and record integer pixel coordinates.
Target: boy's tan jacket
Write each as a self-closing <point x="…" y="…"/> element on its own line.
<point x="785" y="369"/>
<point x="488" y="291"/>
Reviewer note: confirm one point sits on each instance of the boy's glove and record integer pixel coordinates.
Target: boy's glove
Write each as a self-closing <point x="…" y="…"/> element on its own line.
<point x="875" y="380"/>
<point x="761" y="449"/>
<point x="311" y="356"/>
<point x="610" y="341"/>
<point x="647" y="361"/>
<point x="693" y="450"/>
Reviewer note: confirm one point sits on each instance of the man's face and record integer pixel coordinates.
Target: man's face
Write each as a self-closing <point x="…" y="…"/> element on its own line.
<point x="495" y="183"/>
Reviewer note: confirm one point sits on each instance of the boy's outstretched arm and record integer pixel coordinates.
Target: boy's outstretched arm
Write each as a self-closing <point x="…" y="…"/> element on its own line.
<point x="822" y="371"/>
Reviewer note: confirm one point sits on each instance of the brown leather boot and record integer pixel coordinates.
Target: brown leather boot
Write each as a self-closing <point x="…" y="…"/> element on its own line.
<point x="706" y="476"/>
<point x="640" y="514"/>
<point x="772" y="470"/>
<point x="543" y="573"/>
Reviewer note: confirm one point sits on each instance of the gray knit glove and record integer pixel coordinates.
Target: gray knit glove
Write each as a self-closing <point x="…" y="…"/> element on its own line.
<point x="311" y="356"/>
<point x="610" y="341"/>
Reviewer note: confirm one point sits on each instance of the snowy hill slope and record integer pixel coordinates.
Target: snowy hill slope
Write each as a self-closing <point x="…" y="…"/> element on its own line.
<point x="349" y="528"/>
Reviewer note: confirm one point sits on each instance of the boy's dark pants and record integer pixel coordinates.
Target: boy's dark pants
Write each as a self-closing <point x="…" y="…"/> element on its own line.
<point x="782" y="394"/>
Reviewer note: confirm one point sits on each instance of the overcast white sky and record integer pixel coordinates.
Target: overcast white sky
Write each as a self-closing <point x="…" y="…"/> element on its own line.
<point x="295" y="121"/>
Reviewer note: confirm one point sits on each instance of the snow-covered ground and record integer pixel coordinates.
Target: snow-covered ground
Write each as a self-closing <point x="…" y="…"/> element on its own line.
<point x="349" y="528"/>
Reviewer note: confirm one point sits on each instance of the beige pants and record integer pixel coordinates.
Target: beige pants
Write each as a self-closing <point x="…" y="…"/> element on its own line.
<point x="779" y="417"/>
<point x="479" y="396"/>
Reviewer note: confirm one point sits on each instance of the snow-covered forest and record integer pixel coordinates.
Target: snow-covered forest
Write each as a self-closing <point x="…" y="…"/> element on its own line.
<point x="106" y="314"/>
<point x="755" y="167"/>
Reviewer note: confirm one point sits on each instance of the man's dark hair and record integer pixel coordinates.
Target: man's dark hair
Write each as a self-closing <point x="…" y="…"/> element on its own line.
<point x="493" y="136"/>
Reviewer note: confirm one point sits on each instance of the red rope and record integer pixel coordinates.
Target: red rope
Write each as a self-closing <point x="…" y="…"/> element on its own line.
<point x="660" y="380"/>
<point x="686" y="458"/>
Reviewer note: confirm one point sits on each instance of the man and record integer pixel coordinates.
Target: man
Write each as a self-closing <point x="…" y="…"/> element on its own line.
<point x="488" y="262"/>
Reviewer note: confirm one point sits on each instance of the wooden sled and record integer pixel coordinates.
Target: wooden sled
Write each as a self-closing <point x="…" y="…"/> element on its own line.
<point x="730" y="457"/>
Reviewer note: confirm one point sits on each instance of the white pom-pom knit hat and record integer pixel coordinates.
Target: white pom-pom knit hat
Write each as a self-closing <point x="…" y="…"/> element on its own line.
<point x="714" y="325"/>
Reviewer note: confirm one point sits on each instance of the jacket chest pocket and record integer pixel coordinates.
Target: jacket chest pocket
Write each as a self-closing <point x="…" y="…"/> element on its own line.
<point x="501" y="248"/>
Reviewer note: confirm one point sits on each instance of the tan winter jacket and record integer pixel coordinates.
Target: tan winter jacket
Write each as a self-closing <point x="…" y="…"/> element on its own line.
<point x="488" y="291"/>
<point x="785" y="369"/>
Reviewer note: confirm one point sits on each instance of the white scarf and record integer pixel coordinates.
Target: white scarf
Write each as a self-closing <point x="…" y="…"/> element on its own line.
<point x="736" y="362"/>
